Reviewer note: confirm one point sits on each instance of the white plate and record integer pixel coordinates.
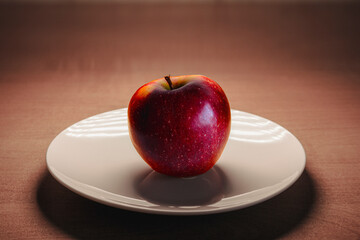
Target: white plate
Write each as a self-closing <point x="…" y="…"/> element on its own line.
<point x="95" y="158"/>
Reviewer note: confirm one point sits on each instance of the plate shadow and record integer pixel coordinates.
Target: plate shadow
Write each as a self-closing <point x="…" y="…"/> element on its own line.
<point x="85" y="219"/>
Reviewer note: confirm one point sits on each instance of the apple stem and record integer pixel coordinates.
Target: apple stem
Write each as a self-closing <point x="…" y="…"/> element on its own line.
<point x="167" y="78"/>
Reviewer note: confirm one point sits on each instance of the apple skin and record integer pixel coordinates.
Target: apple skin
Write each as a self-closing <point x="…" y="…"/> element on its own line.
<point x="181" y="131"/>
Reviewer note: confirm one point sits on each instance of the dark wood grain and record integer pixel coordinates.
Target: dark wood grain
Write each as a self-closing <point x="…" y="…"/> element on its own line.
<point x="297" y="64"/>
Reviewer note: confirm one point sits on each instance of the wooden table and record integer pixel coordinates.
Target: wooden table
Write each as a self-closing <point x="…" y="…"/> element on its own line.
<point x="296" y="64"/>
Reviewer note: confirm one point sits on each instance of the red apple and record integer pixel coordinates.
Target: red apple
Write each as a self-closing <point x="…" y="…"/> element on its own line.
<point x="180" y="125"/>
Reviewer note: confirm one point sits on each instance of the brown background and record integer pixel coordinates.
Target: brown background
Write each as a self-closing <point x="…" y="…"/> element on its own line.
<point x="297" y="64"/>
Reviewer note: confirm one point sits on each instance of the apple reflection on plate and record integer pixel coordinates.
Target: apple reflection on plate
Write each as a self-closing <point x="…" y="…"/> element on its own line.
<point x="161" y="189"/>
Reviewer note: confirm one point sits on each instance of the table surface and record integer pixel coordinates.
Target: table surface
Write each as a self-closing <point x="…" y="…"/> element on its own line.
<point x="297" y="64"/>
